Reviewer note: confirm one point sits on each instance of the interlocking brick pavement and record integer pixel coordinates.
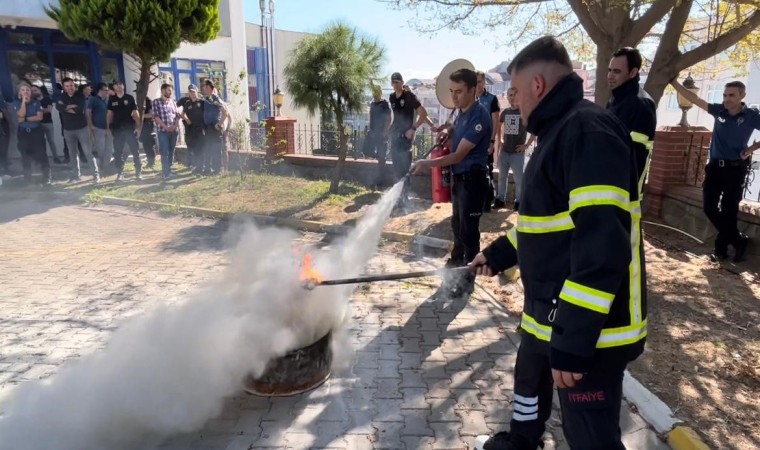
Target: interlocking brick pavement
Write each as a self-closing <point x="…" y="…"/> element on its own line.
<point x="426" y="374"/>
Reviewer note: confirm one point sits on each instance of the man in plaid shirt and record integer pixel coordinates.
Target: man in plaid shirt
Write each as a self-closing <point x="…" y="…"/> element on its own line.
<point x="166" y="116"/>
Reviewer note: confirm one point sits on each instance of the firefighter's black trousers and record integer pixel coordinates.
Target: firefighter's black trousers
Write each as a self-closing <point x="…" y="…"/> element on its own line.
<point x="467" y="200"/>
<point x="590" y="410"/>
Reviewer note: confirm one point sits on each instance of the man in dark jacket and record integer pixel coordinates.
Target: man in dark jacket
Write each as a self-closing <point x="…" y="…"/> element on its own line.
<point x="578" y="244"/>
<point x="633" y="106"/>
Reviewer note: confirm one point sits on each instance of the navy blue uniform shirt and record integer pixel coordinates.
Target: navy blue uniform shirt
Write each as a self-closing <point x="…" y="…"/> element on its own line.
<point x="731" y="133"/>
<point x="475" y="125"/>
<point x="32" y="108"/>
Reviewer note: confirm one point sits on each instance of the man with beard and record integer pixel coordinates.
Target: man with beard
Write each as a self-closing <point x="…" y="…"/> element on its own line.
<point x="72" y="105"/>
<point x="166" y="116"/>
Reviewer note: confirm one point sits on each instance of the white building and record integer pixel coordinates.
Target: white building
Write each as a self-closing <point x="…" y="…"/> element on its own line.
<point x="32" y="48"/>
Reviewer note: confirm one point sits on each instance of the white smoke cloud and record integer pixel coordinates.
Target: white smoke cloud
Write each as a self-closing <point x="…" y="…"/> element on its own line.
<point x="169" y="371"/>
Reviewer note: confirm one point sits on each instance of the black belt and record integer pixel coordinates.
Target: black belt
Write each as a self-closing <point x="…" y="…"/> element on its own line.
<point x="26" y="129"/>
<point x="728" y="162"/>
<point x="471" y="175"/>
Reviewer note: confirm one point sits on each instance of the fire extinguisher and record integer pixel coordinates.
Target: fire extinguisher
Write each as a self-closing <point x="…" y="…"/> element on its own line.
<point x="441" y="177"/>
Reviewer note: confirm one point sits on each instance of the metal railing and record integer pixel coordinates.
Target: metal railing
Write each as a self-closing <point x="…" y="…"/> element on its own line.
<point x="323" y="140"/>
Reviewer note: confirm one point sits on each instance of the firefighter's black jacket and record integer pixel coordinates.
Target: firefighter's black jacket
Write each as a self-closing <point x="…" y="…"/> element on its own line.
<point x="638" y="112"/>
<point x="578" y="236"/>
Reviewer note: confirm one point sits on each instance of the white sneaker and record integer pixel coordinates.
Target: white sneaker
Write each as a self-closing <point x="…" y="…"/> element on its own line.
<point x="480" y="441"/>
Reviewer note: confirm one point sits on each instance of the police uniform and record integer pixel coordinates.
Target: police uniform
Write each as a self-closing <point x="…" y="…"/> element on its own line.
<point x="578" y="244"/>
<point x="213" y="142"/>
<point x="470" y="182"/>
<point x="404" y="109"/>
<point x="638" y="112"/>
<point x="31" y="141"/>
<point x="726" y="173"/>
<point x="123" y="129"/>
<point x="193" y="109"/>
<point x="491" y="103"/>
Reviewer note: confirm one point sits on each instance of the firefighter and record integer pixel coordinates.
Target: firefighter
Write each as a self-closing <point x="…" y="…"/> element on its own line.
<point x="578" y="245"/>
<point x="633" y="106"/>
<point x="469" y="166"/>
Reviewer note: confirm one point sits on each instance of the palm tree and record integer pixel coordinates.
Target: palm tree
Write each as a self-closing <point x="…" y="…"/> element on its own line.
<point x="330" y="72"/>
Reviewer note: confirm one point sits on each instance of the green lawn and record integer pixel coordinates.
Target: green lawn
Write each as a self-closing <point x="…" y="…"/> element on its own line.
<point x="257" y="193"/>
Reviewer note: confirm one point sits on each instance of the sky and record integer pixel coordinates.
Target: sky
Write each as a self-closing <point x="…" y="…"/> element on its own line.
<point x="413" y="54"/>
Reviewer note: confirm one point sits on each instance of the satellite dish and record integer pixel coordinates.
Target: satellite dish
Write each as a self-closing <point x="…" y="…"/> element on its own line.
<point x="442" y="86"/>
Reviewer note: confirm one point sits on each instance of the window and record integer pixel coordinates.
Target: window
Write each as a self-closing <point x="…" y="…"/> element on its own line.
<point x="109" y="69"/>
<point x="21" y="38"/>
<point x="31" y="66"/>
<point x="59" y="40"/>
<point x="673" y="101"/>
<point x="184" y="64"/>
<point x="73" y="65"/>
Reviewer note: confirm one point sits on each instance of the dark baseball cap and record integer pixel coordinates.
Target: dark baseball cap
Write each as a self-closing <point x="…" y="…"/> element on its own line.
<point x="192" y="87"/>
<point x="397" y="77"/>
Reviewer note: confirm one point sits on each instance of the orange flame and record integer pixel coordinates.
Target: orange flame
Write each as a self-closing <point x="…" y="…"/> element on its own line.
<point x="308" y="274"/>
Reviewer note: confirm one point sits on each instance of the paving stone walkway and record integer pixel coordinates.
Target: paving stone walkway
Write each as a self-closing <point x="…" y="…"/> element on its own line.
<point x="427" y="374"/>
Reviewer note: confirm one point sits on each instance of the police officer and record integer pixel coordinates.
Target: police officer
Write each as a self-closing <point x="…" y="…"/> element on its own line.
<point x="214" y="117"/>
<point x="633" y="106"/>
<point x="125" y="127"/>
<point x="376" y="145"/>
<point x="192" y="117"/>
<point x="404" y="105"/>
<point x="727" y="168"/>
<point x="578" y="243"/>
<point x="491" y="103"/>
<point x="469" y="163"/>
<point x="29" y="135"/>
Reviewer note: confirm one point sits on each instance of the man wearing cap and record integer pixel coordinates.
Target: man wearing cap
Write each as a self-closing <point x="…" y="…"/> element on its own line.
<point x="192" y="117"/>
<point x="403" y="128"/>
<point x="124" y="123"/>
<point x="214" y="117"/>
<point x="377" y="140"/>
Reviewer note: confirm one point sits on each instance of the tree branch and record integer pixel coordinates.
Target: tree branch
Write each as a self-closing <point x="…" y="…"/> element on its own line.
<point x="720" y="43"/>
<point x="586" y="20"/>
<point x="649" y="19"/>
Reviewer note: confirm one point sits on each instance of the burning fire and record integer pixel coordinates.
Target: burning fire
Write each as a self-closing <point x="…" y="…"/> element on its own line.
<point x="308" y="274"/>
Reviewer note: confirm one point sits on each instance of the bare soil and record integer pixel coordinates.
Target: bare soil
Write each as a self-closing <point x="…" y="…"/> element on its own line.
<point x="703" y="350"/>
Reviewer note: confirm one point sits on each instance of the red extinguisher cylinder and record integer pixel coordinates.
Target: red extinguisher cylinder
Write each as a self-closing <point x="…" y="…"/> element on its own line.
<point x="441" y="177"/>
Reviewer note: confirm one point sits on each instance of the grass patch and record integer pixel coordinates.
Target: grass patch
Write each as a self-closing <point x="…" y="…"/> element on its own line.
<point x="256" y="193"/>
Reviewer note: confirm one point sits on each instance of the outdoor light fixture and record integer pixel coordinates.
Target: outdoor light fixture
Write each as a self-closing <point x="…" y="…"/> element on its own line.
<point x="279" y="99"/>
<point x="684" y="103"/>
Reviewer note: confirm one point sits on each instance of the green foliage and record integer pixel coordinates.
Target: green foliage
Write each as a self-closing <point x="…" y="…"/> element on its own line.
<point x="331" y="72"/>
<point x="148" y="29"/>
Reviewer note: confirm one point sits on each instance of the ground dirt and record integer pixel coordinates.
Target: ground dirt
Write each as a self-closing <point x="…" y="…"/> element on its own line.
<point x="703" y="349"/>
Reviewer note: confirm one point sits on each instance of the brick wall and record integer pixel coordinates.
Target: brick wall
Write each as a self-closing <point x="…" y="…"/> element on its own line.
<point x="675" y="161"/>
<point x="281" y="136"/>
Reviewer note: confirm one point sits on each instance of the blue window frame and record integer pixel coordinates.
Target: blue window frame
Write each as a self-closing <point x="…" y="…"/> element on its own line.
<point x="185" y="71"/>
<point x="258" y="83"/>
<point x="45" y="56"/>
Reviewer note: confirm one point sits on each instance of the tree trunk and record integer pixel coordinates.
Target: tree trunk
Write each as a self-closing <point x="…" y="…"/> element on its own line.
<point x="342" y="150"/>
<point x="143" y="82"/>
<point x="602" y="88"/>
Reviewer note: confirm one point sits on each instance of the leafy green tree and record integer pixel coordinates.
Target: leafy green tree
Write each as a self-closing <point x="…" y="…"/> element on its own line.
<point x="331" y="72"/>
<point x="675" y="34"/>
<point x="147" y="30"/>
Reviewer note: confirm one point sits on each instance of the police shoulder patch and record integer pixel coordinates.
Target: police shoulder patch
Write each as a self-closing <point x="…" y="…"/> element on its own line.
<point x="478" y="128"/>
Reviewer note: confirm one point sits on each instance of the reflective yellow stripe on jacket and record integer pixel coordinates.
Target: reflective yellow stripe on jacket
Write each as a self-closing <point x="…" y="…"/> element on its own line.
<point x="609" y="337"/>
<point x="512" y="237"/>
<point x="643" y="139"/>
<point x="545" y="224"/>
<point x="599" y="195"/>
<point x="586" y="297"/>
